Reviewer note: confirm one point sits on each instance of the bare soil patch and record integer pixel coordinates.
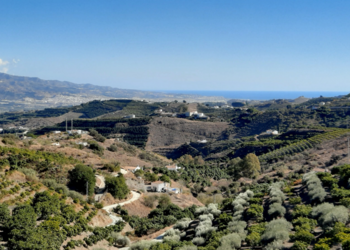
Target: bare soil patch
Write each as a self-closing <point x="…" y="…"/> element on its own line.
<point x="172" y="132"/>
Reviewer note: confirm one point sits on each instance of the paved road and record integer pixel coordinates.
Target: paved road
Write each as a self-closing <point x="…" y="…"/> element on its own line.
<point x="108" y="209"/>
<point x="102" y="179"/>
<point x="135" y="196"/>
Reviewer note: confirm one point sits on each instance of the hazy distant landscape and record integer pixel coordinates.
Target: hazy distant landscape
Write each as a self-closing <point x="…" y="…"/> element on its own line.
<point x="30" y="93"/>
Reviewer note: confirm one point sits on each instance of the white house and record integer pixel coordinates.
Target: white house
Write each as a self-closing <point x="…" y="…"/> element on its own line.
<point x="55" y="144"/>
<point x="1" y="130"/>
<point x="322" y="103"/>
<point x="271" y="132"/>
<point x="216" y="107"/>
<point x="75" y="131"/>
<point x="200" y="116"/>
<point x="130" y="116"/>
<point x="173" y="167"/>
<point x="225" y="106"/>
<point x="159" y="186"/>
<point x="202" y="141"/>
<point x="188" y="114"/>
<point x="132" y="169"/>
<point x="85" y="144"/>
<point x="57" y="132"/>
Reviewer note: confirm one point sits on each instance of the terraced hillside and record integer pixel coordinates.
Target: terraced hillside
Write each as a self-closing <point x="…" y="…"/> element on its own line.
<point x="168" y="133"/>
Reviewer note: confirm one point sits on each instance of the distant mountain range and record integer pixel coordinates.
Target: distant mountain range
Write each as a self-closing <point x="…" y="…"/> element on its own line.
<point x="20" y="87"/>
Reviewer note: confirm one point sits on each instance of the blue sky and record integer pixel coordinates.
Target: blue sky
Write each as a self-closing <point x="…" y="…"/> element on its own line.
<point x="180" y="45"/>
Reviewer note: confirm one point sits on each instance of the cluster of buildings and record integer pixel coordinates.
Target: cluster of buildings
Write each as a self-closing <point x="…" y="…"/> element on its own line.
<point x="77" y="132"/>
<point x="196" y="115"/>
<point x="225" y="106"/>
<point x="157" y="186"/>
<point x="130" y="116"/>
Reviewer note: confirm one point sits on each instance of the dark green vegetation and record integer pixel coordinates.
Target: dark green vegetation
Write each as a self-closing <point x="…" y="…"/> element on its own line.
<point x="58" y="221"/>
<point x="88" y="110"/>
<point x="117" y="187"/>
<point x="133" y="131"/>
<point x="271" y="215"/>
<point x="82" y="178"/>
<point x="159" y="218"/>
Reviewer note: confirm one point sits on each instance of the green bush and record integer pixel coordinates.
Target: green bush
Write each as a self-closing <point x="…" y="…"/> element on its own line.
<point x="255" y="211"/>
<point x="300" y="245"/>
<point x="303" y="235"/>
<point x="98" y="205"/>
<point x="345" y="202"/>
<point x="253" y="239"/>
<point x="96" y="148"/>
<point x="81" y="176"/>
<point x="295" y="200"/>
<point x="113" y="148"/>
<point x="301" y="211"/>
<point x="117" y="186"/>
<point x="304" y="223"/>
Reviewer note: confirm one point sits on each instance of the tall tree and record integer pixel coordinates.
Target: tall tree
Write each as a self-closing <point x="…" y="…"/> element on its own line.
<point x="80" y="176"/>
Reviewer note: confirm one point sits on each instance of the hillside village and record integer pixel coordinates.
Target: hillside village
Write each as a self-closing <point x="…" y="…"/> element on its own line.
<point x="131" y="175"/>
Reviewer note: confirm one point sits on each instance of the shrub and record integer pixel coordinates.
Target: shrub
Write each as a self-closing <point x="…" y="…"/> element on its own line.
<point x="164" y="201"/>
<point x="275" y="245"/>
<point x="119" y="240"/>
<point x="149" y="200"/>
<point x="301" y="211"/>
<point x="276" y="230"/>
<point x="276" y="210"/>
<point x="253" y="239"/>
<point x="295" y="200"/>
<point x="300" y="245"/>
<point x="304" y="223"/>
<point x="327" y="215"/>
<point x="303" y="236"/>
<point x="142" y="245"/>
<point x="188" y="248"/>
<point x="238" y="227"/>
<point x="345" y="202"/>
<point x="313" y="183"/>
<point x="255" y="201"/>
<point x="230" y="241"/>
<point x="117" y="186"/>
<point x="198" y="241"/>
<point x="31" y="174"/>
<point x="255" y="211"/>
<point x="323" y="244"/>
<point x="80" y="176"/>
<point x="75" y="195"/>
<point x="96" y="148"/>
<point x="113" y="148"/>
<point x="98" y="205"/>
<point x="112" y="167"/>
<point x="183" y="224"/>
<point x="8" y="141"/>
<point x="62" y="189"/>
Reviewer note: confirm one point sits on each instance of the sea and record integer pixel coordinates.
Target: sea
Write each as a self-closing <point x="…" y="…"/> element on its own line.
<point x="259" y="95"/>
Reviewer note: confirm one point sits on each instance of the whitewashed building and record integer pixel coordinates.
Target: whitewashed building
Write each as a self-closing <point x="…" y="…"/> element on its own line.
<point x="271" y="132"/>
<point x="159" y="186"/>
<point x="173" y="167"/>
<point x="132" y="169"/>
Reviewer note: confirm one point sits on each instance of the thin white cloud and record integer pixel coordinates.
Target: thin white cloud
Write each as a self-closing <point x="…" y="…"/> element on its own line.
<point x="4" y="70"/>
<point x="6" y="65"/>
<point x="3" y="62"/>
